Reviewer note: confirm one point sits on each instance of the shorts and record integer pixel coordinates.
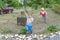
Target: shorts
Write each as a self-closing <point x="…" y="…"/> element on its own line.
<point x="29" y="28"/>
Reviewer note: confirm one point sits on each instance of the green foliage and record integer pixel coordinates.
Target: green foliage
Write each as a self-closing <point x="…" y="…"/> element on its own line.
<point x="42" y="3"/>
<point x="23" y="30"/>
<point x="13" y="3"/>
<point x="56" y="8"/>
<point x="58" y="2"/>
<point x="7" y="31"/>
<point x="52" y="2"/>
<point x="2" y="4"/>
<point x="52" y="28"/>
<point x="35" y="6"/>
<point x="34" y="3"/>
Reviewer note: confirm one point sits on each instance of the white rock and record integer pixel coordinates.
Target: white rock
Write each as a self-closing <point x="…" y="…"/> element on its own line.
<point x="45" y="36"/>
<point x="59" y="33"/>
<point x="41" y="38"/>
<point x="22" y="36"/>
<point x="12" y="36"/>
<point x="17" y="38"/>
<point x="2" y="35"/>
<point x="6" y="37"/>
<point x="29" y="38"/>
<point x="51" y="33"/>
<point x="16" y="34"/>
<point x="20" y="39"/>
<point x="56" y="32"/>
<point x="41" y="35"/>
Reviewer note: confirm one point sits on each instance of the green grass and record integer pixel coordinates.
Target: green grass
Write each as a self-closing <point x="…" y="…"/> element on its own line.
<point x="7" y="30"/>
<point x="52" y="28"/>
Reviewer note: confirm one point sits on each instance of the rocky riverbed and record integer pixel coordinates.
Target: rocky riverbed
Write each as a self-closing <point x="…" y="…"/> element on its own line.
<point x="51" y="36"/>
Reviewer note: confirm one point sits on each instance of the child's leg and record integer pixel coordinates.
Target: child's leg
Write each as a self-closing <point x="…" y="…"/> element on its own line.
<point x="27" y="28"/>
<point x="30" y="28"/>
<point x="44" y="18"/>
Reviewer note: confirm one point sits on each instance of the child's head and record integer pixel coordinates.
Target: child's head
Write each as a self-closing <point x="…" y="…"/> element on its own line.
<point x="22" y="12"/>
<point x="30" y="15"/>
<point x="42" y="9"/>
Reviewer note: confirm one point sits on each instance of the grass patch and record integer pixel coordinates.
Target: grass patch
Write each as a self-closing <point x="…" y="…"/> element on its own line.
<point x="7" y="30"/>
<point x="52" y="28"/>
<point x="22" y="30"/>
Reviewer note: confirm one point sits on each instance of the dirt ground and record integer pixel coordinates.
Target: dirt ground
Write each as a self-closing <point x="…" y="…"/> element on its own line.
<point x="52" y="19"/>
<point x="10" y="21"/>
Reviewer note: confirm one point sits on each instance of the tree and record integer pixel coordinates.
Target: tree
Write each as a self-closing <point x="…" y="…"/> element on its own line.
<point x="13" y="3"/>
<point x="36" y="3"/>
<point x="2" y="4"/>
<point x="58" y="2"/>
<point x="33" y="4"/>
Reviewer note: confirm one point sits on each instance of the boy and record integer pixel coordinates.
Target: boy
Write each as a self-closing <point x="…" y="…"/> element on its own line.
<point x="29" y="22"/>
<point x="43" y="14"/>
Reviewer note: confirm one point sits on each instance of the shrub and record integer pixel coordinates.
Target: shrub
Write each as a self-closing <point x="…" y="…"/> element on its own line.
<point x="7" y="31"/>
<point x="52" y="28"/>
<point x="22" y="30"/>
<point x="56" y="8"/>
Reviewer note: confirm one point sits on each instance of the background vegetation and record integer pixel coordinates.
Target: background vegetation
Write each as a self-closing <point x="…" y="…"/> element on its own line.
<point x="52" y="28"/>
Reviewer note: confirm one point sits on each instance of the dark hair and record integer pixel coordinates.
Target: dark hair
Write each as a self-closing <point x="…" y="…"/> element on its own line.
<point x="22" y="11"/>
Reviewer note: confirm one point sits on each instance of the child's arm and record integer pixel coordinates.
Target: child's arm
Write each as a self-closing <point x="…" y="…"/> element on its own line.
<point x="26" y="14"/>
<point x="40" y="12"/>
<point x="46" y="13"/>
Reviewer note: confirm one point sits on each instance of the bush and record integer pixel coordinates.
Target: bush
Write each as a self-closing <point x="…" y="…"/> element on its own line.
<point x="52" y="28"/>
<point x="7" y="31"/>
<point x="23" y="30"/>
<point x="56" y="8"/>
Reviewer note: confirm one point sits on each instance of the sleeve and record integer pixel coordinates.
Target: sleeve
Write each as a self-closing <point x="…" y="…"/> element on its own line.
<point x="26" y="15"/>
<point x="40" y="12"/>
<point x="46" y="12"/>
<point x="32" y="19"/>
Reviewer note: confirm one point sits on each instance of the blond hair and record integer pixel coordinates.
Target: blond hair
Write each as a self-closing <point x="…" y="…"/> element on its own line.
<point x="42" y="9"/>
